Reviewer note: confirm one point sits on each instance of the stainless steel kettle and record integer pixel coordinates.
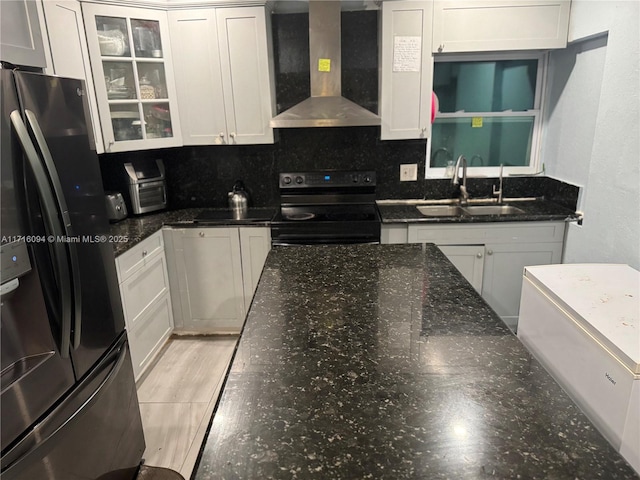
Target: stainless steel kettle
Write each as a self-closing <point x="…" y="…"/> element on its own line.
<point x="239" y="200"/>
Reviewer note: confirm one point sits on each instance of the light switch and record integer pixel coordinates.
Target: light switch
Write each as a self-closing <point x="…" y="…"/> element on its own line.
<point x="409" y="172"/>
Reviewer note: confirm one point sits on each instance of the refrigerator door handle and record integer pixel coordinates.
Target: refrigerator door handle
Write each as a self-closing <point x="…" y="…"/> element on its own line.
<point x="55" y="229"/>
<point x="42" y="438"/>
<point x="50" y="170"/>
<point x="7" y="288"/>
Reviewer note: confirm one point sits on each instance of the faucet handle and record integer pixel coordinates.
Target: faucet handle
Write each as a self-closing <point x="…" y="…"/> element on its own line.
<point x="498" y="191"/>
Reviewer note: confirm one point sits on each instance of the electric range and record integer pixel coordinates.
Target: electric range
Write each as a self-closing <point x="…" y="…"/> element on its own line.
<point x="324" y="207"/>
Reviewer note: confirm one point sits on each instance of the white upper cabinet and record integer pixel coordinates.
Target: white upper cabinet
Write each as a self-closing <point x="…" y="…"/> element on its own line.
<point x="69" y="52"/>
<point x="194" y="41"/>
<point x="20" y="34"/>
<point x="132" y="66"/>
<point x="499" y="25"/>
<point x="224" y="75"/>
<point x="407" y="70"/>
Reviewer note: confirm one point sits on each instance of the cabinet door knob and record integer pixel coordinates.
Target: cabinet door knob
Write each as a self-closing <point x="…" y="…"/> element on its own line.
<point x="441" y="47"/>
<point x="479" y="255"/>
<point x="232" y="134"/>
<point x="201" y="234"/>
<point x="221" y="135"/>
<point x="144" y="253"/>
<point x="489" y="252"/>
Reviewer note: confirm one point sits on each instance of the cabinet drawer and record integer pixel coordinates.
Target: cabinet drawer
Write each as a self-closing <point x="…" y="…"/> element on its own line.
<point x="129" y="262"/>
<point x="480" y="234"/>
<point x="143" y="288"/>
<point x="149" y="334"/>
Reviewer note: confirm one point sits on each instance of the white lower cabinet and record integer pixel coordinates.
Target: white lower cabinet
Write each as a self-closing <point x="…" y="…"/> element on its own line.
<point x="146" y="302"/>
<point x="391" y="233"/>
<point x="502" y="276"/>
<point x="469" y="260"/>
<point x="492" y="257"/>
<point x="255" y="244"/>
<point x="213" y="273"/>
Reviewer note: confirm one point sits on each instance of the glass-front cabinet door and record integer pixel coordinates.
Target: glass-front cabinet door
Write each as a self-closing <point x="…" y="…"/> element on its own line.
<point x="131" y="63"/>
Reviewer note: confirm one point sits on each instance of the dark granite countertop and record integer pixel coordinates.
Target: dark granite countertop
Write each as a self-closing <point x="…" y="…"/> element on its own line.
<point x="380" y="361"/>
<point x="136" y="228"/>
<point x="534" y="211"/>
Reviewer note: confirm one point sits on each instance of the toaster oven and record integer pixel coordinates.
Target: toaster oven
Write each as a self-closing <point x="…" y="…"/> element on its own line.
<point x="147" y="185"/>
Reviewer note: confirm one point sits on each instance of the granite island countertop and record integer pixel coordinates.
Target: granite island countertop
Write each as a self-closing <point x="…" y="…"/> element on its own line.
<point x="381" y="361"/>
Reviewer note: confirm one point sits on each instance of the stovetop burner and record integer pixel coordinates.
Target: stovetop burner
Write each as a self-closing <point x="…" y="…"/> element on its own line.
<point x="297" y="217"/>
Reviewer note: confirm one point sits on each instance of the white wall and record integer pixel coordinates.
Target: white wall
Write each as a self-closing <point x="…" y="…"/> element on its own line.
<point x="592" y="129"/>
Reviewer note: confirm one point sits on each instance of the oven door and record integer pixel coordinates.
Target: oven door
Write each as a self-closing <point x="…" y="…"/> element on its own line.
<point x="320" y="233"/>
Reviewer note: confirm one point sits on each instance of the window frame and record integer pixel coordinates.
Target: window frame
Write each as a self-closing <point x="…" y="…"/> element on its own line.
<point x="535" y="165"/>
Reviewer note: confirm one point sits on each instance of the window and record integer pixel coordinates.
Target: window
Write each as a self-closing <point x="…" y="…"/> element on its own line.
<point x="489" y="112"/>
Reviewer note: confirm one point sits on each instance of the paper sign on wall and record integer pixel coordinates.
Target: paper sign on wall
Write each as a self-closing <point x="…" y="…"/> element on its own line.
<point x="324" y="64"/>
<point x="476" y="122"/>
<point x="407" y="54"/>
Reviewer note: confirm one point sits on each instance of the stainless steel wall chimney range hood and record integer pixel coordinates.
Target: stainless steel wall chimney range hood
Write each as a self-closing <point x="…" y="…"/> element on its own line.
<point x="326" y="107"/>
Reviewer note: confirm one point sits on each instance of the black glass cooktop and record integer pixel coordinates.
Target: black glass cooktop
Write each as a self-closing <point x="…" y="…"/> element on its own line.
<point x="223" y="216"/>
<point x="328" y="213"/>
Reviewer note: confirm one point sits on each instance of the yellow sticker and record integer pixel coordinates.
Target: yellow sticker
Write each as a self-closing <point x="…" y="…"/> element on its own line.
<point x="324" y="64"/>
<point x="476" y="122"/>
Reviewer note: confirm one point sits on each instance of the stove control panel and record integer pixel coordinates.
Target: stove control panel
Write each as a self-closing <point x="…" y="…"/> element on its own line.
<point x="327" y="178"/>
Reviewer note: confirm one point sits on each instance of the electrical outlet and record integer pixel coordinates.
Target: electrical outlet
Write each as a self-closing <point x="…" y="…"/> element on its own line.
<point x="409" y="172"/>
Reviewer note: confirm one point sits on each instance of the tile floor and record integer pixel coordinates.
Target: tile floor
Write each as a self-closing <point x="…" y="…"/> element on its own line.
<point x="177" y="397"/>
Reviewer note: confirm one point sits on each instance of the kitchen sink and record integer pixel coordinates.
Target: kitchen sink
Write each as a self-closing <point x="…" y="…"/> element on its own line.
<point x="440" y="210"/>
<point x="491" y="210"/>
<point x="444" y="210"/>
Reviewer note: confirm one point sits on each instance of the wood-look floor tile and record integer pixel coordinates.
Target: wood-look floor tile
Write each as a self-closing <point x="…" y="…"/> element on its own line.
<point x="192" y="454"/>
<point x="169" y="431"/>
<point x="188" y="371"/>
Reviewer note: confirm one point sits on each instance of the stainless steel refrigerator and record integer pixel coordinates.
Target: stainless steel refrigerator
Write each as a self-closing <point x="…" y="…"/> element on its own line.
<point x="68" y="399"/>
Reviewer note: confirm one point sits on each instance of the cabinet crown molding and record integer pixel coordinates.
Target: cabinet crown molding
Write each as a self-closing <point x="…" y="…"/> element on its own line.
<point x="180" y="4"/>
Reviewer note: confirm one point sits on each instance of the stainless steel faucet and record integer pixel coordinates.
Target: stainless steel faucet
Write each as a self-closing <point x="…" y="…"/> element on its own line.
<point x="464" y="195"/>
<point x="499" y="191"/>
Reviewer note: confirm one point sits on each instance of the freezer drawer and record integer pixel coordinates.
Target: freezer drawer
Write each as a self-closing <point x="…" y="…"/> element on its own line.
<point x="96" y="431"/>
<point x="591" y="372"/>
<point x="34" y="374"/>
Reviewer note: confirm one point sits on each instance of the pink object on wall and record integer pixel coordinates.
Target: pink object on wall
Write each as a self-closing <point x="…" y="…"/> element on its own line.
<point x="434" y="106"/>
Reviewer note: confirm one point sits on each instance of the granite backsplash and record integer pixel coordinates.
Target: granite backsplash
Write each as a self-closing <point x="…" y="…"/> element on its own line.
<point x="202" y="176"/>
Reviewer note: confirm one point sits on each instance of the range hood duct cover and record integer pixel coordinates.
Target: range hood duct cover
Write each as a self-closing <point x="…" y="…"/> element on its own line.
<point x="326" y="107"/>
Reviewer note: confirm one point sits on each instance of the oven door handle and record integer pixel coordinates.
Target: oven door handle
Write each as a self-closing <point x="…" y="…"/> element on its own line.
<point x="277" y="243"/>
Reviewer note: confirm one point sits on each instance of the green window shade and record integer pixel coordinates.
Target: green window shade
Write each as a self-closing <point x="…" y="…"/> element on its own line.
<point x="485" y="86"/>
